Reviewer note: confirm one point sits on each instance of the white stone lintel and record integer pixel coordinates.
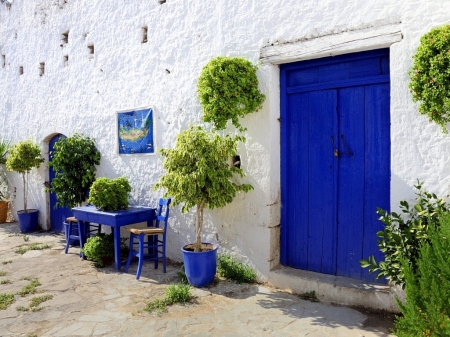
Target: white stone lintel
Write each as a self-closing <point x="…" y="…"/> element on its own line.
<point x="331" y="45"/>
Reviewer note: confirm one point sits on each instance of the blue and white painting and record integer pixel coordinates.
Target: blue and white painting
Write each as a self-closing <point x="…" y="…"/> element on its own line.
<point x="135" y="131"/>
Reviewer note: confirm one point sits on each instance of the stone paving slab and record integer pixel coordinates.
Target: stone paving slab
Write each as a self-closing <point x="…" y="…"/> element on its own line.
<point x="104" y="302"/>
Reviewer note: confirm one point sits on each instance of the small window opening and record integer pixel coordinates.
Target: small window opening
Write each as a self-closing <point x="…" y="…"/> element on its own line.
<point x="21" y="70"/>
<point x="64" y="38"/>
<point x="41" y="68"/>
<point x="236" y="161"/>
<point x="91" y="49"/>
<point x="66" y="60"/>
<point x="144" y="34"/>
<point x="3" y="61"/>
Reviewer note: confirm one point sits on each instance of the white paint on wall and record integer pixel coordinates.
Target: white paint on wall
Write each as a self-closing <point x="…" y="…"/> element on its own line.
<point x="81" y="92"/>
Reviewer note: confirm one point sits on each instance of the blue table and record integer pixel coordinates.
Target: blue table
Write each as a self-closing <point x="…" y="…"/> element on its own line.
<point x="87" y="214"/>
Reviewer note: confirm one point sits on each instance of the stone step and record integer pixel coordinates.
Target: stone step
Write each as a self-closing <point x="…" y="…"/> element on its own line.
<point x="337" y="289"/>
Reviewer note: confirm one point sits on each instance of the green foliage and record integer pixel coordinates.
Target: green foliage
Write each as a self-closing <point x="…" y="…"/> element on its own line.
<point x="40" y="299"/>
<point x="182" y="278"/>
<point x="74" y="161"/>
<point x="6" y="300"/>
<point x="231" y="269"/>
<point x="2" y="273"/>
<point x="4" y="149"/>
<point x="228" y="89"/>
<point x="426" y="311"/>
<point x="23" y="157"/>
<point x="175" y="293"/>
<point x="21" y="308"/>
<point x="110" y="194"/>
<point x="198" y="174"/>
<point x="401" y="238"/>
<point x="197" y="170"/>
<point x="100" y="249"/>
<point x="430" y="78"/>
<point x="5" y="282"/>
<point x="6" y="261"/>
<point x="30" y="288"/>
<point x="309" y="296"/>
<point x="33" y="246"/>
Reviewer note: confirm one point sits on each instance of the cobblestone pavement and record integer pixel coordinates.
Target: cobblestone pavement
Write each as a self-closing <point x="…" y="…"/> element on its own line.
<point x="104" y="302"/>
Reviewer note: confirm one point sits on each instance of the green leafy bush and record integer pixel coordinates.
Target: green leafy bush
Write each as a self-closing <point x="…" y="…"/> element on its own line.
<point x="430" y="78"/>
<point x="100" y="249"/>
<point x="110" y="194"/>
<point x="234" y="270"/>
<point x="198" y="173"/>
<point x="228" y="89"/>
<point x="401" y="238"/>
<point x="74" y="161"/>
<point x="426" y="311"/>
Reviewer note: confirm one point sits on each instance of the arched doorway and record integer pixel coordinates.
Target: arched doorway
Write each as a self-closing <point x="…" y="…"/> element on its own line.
<point x="59" y="214"/>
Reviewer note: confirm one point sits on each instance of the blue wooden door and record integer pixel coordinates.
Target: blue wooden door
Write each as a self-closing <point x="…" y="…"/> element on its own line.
<point x="57" y="215"/>
<point x="335" y="161"/>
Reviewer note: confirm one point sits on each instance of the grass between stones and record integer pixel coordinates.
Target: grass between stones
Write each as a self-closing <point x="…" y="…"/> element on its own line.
<point x="2" y="273"/>
<point x="30" y="288"/>
<point x="6" y="300"/>
<point x="5" y="282"/>
<point x="174" y="293"/>
<point x="234" y="270"/>
<point x="6" y="261"/>
<point x="33" y="246"/>
<point x="309" y="296"/>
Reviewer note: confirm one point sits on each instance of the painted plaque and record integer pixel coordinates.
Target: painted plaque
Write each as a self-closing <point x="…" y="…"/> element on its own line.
<point x="135" y="131"/>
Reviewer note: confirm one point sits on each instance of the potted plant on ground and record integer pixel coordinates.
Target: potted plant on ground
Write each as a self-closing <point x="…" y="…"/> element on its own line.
<point x="74" y="161"/>
<point x="23" y="157"/>
<point x="4" y="190"/>
<point x="198" y="174"/>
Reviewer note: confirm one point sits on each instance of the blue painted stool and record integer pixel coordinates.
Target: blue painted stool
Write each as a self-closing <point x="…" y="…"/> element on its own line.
<point x="156" y="245"/>
<point x="73" y="231"/>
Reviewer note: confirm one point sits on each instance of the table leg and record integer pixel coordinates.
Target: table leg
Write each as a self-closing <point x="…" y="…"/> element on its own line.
<point x="82" y="234"/>
<point x="117" y="259"/>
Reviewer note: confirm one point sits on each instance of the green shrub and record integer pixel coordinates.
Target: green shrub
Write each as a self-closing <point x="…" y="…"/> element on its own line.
<point x="100" y="249"/>
<point x="228" y="89"/>
<point x="110" y="194"/>
<point x="427" y="308"/>
<point x="73" y="161"/>
<point x="401" y="238"/>
<point x="430" y="78"/>
<point x="174" y="293"/>
<point x="234" y="270"/>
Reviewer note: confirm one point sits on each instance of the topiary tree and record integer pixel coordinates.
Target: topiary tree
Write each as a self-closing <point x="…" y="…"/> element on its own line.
<point x="74" y="161"/>
<point x="198" y="173"/>
<point x="23" y="157"/>
<point x="430" y="78"/>
<point x="228" y="89"/>
<point x="110" y="194"/>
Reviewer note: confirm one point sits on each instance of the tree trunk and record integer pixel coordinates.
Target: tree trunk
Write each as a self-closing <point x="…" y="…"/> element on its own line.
<point x="25" y="187"/>
<point x="198" y="227"/>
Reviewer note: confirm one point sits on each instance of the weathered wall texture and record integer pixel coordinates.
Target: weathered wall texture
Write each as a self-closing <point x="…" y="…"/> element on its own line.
<point x="84" y="95"/>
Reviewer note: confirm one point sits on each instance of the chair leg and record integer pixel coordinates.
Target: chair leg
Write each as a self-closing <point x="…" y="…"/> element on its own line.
<point x="130" y="255"/>
<point x="68" y="231"/>
<point x="164" y="252"/>
<point x="155" y="250"/>
<point x="140" y="255"/>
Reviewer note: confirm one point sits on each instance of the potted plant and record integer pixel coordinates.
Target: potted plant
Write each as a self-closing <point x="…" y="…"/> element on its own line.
<point x="110" y="194"/>
<point x="74" y="161"/>
<point x="23" y="157"/>
<point x="4" y="191"/>
<point x="198" y="174"/>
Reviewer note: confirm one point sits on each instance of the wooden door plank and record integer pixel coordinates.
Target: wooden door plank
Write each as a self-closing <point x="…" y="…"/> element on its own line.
<point x="351" y="181"/>
<point x="322" y="182"/>
<point x="377" y="166"/>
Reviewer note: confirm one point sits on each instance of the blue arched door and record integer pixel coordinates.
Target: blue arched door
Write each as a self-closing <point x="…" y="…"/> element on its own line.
<point x="57" y="215"/>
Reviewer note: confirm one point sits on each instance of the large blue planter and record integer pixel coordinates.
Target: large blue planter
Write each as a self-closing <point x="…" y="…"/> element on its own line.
<point x="28" y="220"/>
<point x="200" y="267"/>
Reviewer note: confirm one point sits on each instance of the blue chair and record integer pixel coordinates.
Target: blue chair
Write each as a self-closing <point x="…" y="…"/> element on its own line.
<point x="156" y="243"/>
<point x="73" y="233"/>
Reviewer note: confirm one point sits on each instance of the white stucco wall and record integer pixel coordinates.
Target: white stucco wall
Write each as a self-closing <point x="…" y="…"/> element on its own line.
<point x="182" y="36"/>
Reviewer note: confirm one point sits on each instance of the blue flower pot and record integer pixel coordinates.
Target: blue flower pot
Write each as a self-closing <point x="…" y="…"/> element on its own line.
<point x="200" y="267"/>
<point x="28" y="220"/>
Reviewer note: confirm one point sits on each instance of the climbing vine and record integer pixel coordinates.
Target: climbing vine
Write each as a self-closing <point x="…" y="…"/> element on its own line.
<point x="430" y="76"/>
<point x="228" y="90"/>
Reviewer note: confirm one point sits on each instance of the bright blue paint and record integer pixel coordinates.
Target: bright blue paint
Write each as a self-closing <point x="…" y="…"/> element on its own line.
<point x="328" y="217"/>
<point x="57" y="215"/>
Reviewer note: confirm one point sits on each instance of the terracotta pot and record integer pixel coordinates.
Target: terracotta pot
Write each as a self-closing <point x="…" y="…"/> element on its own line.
<point x="3" y="211"/>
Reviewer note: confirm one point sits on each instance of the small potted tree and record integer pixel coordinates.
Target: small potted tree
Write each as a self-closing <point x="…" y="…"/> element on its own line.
<point x="23" y="157"/>
<point x="4" y="190"/>
<point x="198" y="175"/>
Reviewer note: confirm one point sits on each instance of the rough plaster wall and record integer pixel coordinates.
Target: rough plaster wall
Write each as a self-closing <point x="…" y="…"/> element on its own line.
<point x="182" y="36"/>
